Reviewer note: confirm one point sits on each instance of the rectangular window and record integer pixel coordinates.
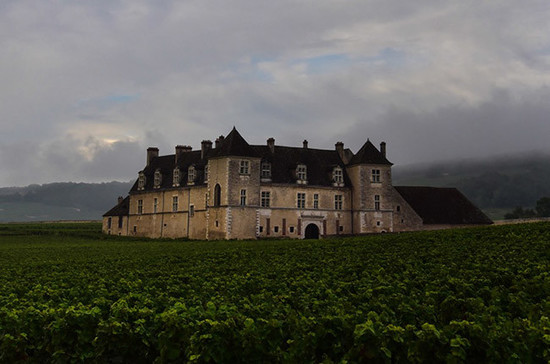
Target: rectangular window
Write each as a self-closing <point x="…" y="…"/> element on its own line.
<point x="244" y="167"/>
<point x="191" y="210"/>
<point x="120" y="222"/>
<point x="174" y="203"/>
<point x="140" y="207"/>
<point x="398" y="208"/>
<point x="206" y="173"/>
<point x="315" y="200"/>
<point x="265" y="170"/>
<point x="155" y="205"/>
<point x="338" y="202"/>
<point x="284" y="226"/>
<point x="243" y="197"/>
<point x="301" y="200"/>
<point x="375" y="175"/>
<point x="109" y="222"/>
<point x="301" y="172"/>
<point x="265" y="199"/>
<point x="275" y="229"/>
<point x="338" y="175"/>
<point x="377" y="202"/>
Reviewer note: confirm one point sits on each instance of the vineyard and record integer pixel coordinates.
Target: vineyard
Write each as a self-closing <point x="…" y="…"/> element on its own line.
<point x="70" y="294"/>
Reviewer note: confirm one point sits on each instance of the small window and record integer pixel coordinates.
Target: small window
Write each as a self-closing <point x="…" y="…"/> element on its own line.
<point x="377" y="202"/>
<point x="275" y="229"/>
<point x="217" y="195"/>
<point x="301" y="173"/>
<point x="120" y="222"/>
<point x="135" y="229"/>
<point x="206" y="173"/>
<point x="140" y="207"/>
<point x="301" y="200"/>
<point x="341" y="227"/>
<point x="155" y="205"/>
<point x="265" y="199"/>
<point x="244" y="167"/>
<point x="375" y="175"/>
<point x="109" y="222"/>
<point x="398" y="208"/>
<point x="291" y="229"/>
<point x="315" y="200"/>
<point x="157" y="179"/>
<point x="174" y="203"/>
<point x="261" y="229"/>
<point x="141" y="181"/>
<point x="243" y="197"/>
<point x="191" y="174"/>
<point x="338" y="202"/>
<point x="378" y="223"/>
<point x="337" y="176"/>
<point x="176" y="178"/>
<point x="265" y="170"/>
<point x="191" y="210"/>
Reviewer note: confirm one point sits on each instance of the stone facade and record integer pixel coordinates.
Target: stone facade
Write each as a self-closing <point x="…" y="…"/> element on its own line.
<point x="239" y="191"/>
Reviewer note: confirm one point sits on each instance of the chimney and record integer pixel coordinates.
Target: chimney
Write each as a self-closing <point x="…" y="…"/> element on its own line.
<point x="305" y="144"/>
<point x="120" y="199"/>
<point x="179" y="151"/>
<point x="340" y="149"/>
<point x="206" y="145"/>
<point x="271" y="144"/>
<point x="219" y="141"/>
<point x="383" y="148"/>
<point x="152" y="152"/>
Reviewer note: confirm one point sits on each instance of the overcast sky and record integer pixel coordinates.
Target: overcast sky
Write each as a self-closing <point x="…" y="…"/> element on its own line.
<point x="87" y="86"/>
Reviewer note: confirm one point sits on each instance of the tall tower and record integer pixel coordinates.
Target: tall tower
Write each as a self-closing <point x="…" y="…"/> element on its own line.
<point x="372" y="192"/>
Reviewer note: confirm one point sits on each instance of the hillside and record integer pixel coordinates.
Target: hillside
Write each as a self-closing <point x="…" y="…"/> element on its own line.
<point x="59" y="201"/>
<point x="495" y="185"/>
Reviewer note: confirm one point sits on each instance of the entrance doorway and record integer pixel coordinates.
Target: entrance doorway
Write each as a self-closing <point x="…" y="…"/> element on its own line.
<point x="312" y="232"/>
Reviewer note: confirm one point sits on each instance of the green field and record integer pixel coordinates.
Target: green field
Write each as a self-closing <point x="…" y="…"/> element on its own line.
<point x="70" y="294"/>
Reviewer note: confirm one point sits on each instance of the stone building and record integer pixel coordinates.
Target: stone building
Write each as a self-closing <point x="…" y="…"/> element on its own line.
<point x="234" y="190"/>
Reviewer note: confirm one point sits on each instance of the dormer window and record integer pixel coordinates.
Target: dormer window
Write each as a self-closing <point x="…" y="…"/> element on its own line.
<point x="176" y="179"/>
<point x="158" y="179"/>
<point x="338" y="177"/>
<point x="141" y="181"/>
<point x="301" y="174"/>
<point x="191" y="174"/>
<point x="265" y="173"/>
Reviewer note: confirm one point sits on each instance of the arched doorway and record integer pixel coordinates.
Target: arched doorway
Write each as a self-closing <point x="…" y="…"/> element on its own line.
<point x="312" y="232"/>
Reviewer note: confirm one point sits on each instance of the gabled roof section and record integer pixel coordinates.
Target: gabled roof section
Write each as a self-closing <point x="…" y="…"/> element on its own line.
<point x="442" y="206"/>
<point x="121" y="209"/>
<point x="234" y="145"/>
<point x="368" y="154"/>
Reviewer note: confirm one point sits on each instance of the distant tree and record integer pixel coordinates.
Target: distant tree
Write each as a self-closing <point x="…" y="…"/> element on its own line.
<point x="543" y="207"/>
<point x="520" y="213"/>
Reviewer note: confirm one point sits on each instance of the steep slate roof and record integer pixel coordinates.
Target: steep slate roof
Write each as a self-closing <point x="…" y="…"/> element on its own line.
<point x="120" y="209"/>
<point x="234" y="145"/>
<point x="320" y="164"/>
<point x="442" y="205"/>
<point x="166" y="165"/>
<point x="368" y="154"/>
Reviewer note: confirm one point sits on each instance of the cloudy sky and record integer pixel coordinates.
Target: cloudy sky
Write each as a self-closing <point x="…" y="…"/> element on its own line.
<point x="87" y="86"/>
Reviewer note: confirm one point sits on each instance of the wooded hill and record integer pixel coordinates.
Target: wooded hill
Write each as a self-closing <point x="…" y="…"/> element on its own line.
<point x="495" y="185"/>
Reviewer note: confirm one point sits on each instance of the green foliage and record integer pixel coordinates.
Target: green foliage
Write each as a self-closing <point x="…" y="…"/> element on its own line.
<point x="70" y="294"/>
<point x="542" y="209"/>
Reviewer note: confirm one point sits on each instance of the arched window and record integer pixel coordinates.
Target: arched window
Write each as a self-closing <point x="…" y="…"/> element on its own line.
<point x="176" y="179"/>
<point x="158" y="179"/>
<point x="217" y="195"/>
<point x="141" y="181"/>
